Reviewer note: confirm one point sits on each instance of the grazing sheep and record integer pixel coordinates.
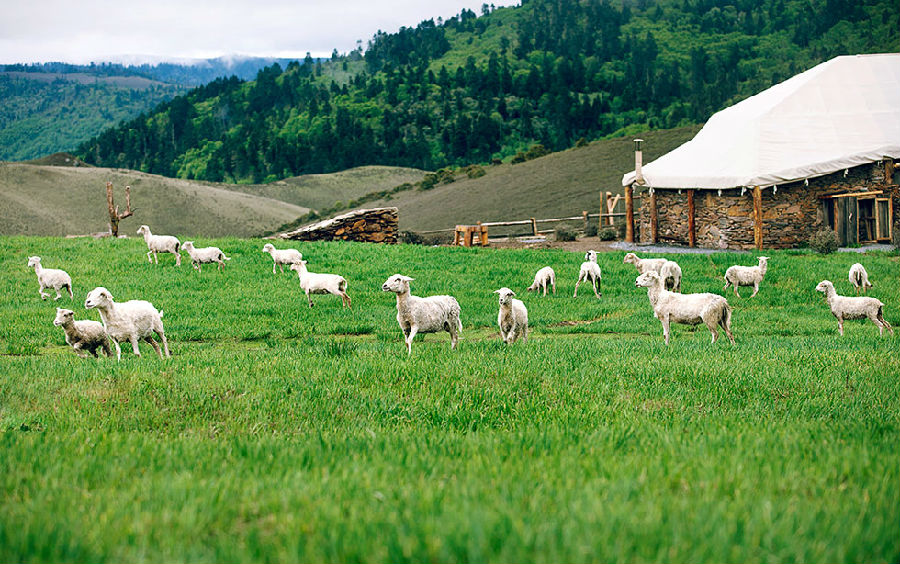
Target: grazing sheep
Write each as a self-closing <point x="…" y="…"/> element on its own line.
<point x="160" y="244"/>
<point x="128" y="321"/>
<point x="513" y="317"/>
<point x="645" y="265"/>
<point x="423" y="315"/>
<point x="315" y="283"/>
<point x="51" y="278"/>
<point x="846" y="307"/>
<point x="689" y="309"/>
<point x="204" y="255"/>
<point x="859" y="278"/>
<point x="746" y="276"/>
<point x="82" y="335"/>
<point x="543" y="278"/>
<point x="671" y="272"/>
<point x="282" y="257"/>
<point x="590" y="270"/>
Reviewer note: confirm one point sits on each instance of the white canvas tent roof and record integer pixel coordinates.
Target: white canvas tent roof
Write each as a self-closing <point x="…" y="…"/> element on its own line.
<point x="842" y="113"/>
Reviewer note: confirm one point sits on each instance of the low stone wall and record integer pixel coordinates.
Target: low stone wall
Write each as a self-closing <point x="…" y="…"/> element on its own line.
<point x="379" y="225"/>
<point x="790" y="215"/>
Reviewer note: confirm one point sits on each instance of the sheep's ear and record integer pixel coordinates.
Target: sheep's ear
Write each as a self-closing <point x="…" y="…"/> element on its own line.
<point x="496" y="291"/>
<point x="406" y="278"/>
<point x="511" y="293"/>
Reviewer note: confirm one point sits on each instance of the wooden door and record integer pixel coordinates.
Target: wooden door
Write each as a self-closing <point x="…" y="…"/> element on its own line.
<point x="847" y="216"/>
<point x="883" y="216"/>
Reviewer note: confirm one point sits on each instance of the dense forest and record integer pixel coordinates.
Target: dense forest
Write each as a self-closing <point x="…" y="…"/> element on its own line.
<point x="479" y="87"/>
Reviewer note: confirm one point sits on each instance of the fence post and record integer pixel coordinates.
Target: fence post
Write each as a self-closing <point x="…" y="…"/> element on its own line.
<point x="534" y="226"/>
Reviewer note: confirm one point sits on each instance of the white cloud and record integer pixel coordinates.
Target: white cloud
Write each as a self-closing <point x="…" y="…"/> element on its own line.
<point x="100" y="30"/>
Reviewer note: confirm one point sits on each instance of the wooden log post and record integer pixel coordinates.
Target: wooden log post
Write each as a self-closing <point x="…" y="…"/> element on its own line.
<point x="114" y="216"/>
<point x="602" y="210"/>
<point x="534" y="227"/>
<point x="654" y="218"/>
<point x="692" y="231"/>
<point x="629" y="214"/>
<point x="757" y="218"/>
<point x="584" y="214"/>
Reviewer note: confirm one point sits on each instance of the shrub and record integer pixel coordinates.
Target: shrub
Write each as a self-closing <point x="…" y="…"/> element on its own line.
<point x="582" y="142"/>
<point x="564" y="234"/>
<point x="495" y="161"/>
<point x="824" y="241"/>
<point x="475" y="171"/>
<point x="518" y="158"/>
<point x="536" y="151"/>
<point x="590" y="230"/>
<point x="608" y="234"/>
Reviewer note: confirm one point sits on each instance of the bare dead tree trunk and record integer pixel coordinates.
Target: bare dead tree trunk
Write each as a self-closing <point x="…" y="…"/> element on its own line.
<point x="114" y="216"/>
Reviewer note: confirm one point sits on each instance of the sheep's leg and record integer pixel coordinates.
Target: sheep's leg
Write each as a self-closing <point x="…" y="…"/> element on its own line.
<point x="71" y="295"/>
<point x="736" y="286"/>
<point x="755" y="289"/>
<point x="595" y="283"/>
<point x="575" y="295"/>
<point x="525" y="334"/>
<point x="409" y="338"/>
<point x="165" y="343"/>
<point x="841" y="326"/>
<point x="150" y="257"/>
<point x="711" y="325"/>
<point x="177" y="258"/>
<point x="118" y="350"/>
<point x="107" y="350"/>
<point x="77" y="348"/>
<point x="345" y="300"/>
<point x="43" y="295"/>
<point x="309" y="299"/>
<point x="153" y="344"/>
<point x="453" y="334"/>
<point x="553" y="283"/>
<point x="665" y="323"/>
<point x="544" y="286"/>
<point x="58" y="295"/>
<point x="134" y="345"/>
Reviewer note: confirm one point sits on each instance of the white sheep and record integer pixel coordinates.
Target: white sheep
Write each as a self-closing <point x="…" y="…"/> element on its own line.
<point x="689" y="309"/>
<point x="746" y="276"/>
<point x="847" y="307"/>
<point x="316" y="283"/>
<point x="51" y="278"/>
<point x="128" y="321"/>
<point x="645" y="265"/>
<point x="204" y="255"/>
<point x="160" y="244"/>
<point x="513" y="317"/>
<point x="423" y="315"/>
<point x="82" y="335"/>
<point x="671" y="273"/>
<point x="590" y="270"/>
<point x="282" y="257"/>
<point x="859" y="278"/>
<point x="543" y="278"/>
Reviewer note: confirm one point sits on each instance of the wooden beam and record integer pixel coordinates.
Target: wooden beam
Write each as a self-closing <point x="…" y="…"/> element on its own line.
<point x="692" y="232"/>
<point x="629" y="214"/>
<point x="757" y="218"/>
<point x="602" y="210"/>
<point x="654" y="218"/>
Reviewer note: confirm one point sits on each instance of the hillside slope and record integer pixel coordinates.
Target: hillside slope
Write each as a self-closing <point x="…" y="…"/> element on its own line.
<point x="559" y="184"/>
<point x="49" y="200"/>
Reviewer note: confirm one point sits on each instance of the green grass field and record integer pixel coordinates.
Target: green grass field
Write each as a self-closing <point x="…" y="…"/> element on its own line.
<point x="282" y="433"/>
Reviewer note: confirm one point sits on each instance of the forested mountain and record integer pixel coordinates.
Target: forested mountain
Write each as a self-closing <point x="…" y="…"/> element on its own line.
<point x="477" y="88"/>
<point x="50" y="107"/>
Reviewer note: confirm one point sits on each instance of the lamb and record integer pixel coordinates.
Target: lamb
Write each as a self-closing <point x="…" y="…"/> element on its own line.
<point x="746" y="276"/>
<point x="513" y="317"/>
<point x="423" y="315"/>
<point x="160" y="244"/>
<point x="861" y="307"/>
<point x="645" y="265"/>
<point x="859" y="278"/>
<point x="51" y="278"/>
<point x="128" y="321"/>
<point x="671" y="272"/>
<point x="282" y="257"/>
<point x="543" y="278"/>
<point x="83" y="335"/>
<point x="315" y="283"/>
<point x="689" y="309"/>
<point x="590" y="270"/>
<point x="204" y="255"/>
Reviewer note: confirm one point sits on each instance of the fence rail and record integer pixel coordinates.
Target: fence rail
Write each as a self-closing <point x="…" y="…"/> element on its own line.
<point x="533" y="222"/>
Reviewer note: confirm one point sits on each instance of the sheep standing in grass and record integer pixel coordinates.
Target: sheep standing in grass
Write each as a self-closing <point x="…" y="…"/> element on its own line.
<point x="689" y="309"/>
<point x="423" y="315"/>
<point x="859" y="278"/>
<point x="746" y="276"/>
<point x="51" y="278"/>
<point x="160" y="244"/>
<point x="671" y="273"/>
<point x="513" y="317"/>
<point x="128" y="321"/>
<point x="645" y="265"/>
<point x="315" y="283"/>
<point x="83" y="335"/>
<point x="204" y="255"/>
<point x="282" y="257"/>
<point x="590" y="270"/>
<point x="860" y="307"/>
<point x="542" y="279"/>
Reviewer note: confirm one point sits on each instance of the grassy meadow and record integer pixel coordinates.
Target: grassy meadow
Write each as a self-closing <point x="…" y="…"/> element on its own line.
<point x="277" y="432"/>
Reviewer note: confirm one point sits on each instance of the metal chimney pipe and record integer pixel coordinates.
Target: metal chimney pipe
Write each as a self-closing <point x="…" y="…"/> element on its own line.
<point x="638" y="162"/>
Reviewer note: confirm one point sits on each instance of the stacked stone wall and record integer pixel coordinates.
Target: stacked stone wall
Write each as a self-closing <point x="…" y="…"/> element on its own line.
<point x="377" y="225"/>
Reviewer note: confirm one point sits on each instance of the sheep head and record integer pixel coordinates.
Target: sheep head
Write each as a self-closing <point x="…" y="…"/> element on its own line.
<point x="397" y="283"/>
<point x="34" y="261"/>
<point x="298" y="266"/>
<point x="63" y="316"/>
<point x="143" y="229"/>
<point x="825" y="286"/>
<point x="647" y="280"/>
<point x="268" y="248"/>
<point x="188" y="245"/>
<point x="630" y="258"/>
<point x="506" y="295"/>
<point x="97" y="297"/>
<point x="590" y="256"/>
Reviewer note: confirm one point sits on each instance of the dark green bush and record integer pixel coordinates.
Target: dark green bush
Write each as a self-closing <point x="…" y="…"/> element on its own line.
<point x="824" y="241"/>
<point x="608" y="234"/>
<point x="564" y="234"/>
<point x="590" y="230"/>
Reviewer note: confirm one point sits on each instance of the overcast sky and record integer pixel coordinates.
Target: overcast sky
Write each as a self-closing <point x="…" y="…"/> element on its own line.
<point x="105" y="30"/>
